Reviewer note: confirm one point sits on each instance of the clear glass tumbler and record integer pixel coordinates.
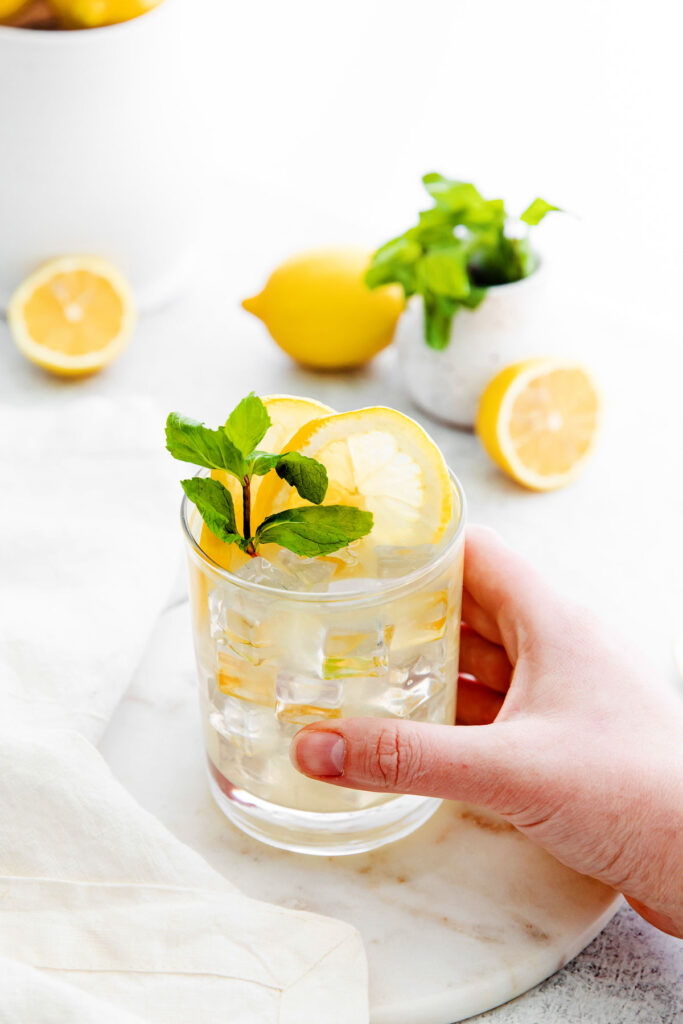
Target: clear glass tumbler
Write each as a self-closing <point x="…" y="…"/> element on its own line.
<point x="272" y="660"/>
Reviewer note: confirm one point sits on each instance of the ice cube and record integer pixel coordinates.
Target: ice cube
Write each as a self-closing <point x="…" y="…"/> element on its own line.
<point x="247" y="638"/>
<point x="249" y="727"/>
<point x="260" y="570"/>
<point x="418" y="684"/>
<point x="411" y="664"/>
<point x="424" y="618"/>
<point x="423" y="702"/>
<point x="219" y="602"/>
<point x="353" y="652"/>
<point x="394" y="562"/>
<point x="302" y="698"/>
<point x="236" y="677"/>
<point x="239" y="622"/>
<point x="308" y="573"/>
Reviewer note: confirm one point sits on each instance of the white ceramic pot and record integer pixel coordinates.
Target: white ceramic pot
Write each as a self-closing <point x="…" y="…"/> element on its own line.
<point x="515" y="321"/>
<point x="95" y="151"/>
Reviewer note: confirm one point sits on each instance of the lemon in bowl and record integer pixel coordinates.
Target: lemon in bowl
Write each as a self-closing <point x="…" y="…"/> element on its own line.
<point x="10" y="7"/>
<point x="96" y="13"/>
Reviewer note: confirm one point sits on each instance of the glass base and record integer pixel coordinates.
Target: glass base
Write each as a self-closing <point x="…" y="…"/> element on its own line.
<point x="318" y="833"/>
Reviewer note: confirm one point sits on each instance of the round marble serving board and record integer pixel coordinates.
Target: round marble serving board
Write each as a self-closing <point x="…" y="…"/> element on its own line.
<point x="459" y="917"/>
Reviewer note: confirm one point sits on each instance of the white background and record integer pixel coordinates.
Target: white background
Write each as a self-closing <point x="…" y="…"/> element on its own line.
<point x="327" y="114"/>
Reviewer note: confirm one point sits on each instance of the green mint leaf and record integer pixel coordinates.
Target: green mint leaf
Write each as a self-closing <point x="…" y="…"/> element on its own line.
<point x="189" y="440"/>
<point x="215" y="506"/>
<point x="394" y="263"/>
<point x="525" y="258"/>
<point x="444" y="272"/>
<point x="315" y="529"/>
<point x="434" y="228"/>
<point x="438" y="319"/>
<point x="451" y="194"/>
<point x="264" y="462"/>
<point x="308" y="475"/>
<point x="247" y="424"/>
<point x="488" y="214"/>
<point x="535" y="213"/>
<point x="474" y="299"/>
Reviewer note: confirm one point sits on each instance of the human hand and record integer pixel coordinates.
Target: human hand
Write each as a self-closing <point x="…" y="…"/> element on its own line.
<point x="565" y="734"/>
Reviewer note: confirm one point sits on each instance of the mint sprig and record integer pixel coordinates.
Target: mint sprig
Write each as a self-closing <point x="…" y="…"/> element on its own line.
<point x="215" y="505"/>
<point x="315" y="529"/>
<point x="247" y="424"/>
<point x="310" y="530"/>
<point x="190" y="441"/>
<point x="460" y="247"/>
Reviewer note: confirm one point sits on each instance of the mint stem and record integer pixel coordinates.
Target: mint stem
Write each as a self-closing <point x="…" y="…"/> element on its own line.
<point x="246" y="511"/>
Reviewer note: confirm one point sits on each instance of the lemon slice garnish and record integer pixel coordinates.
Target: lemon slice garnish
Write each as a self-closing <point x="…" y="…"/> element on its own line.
<point x="379" y="460"/>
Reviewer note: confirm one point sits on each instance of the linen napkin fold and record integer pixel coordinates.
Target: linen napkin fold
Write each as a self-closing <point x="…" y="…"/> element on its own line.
<point x="104" y="915"/>
<point x="87" y="554"/>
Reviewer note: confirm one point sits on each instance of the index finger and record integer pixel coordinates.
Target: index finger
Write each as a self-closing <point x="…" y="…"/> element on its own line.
<point x="506" y="589"/>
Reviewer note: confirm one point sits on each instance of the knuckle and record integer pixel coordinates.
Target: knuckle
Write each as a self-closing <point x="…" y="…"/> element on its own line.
<point x="396" y="759"/>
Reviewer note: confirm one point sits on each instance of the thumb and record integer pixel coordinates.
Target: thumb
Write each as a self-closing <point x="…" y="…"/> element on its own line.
<point x="484" y="764"/>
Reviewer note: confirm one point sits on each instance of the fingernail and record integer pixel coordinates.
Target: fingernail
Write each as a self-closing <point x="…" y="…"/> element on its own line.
<point x="319" y="753"/>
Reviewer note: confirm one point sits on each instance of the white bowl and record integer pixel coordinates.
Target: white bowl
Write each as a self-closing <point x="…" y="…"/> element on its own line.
<point x="97" y="154"/>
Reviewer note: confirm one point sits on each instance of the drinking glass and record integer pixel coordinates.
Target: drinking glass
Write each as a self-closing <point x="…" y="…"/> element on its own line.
<point x="273" y="657"/>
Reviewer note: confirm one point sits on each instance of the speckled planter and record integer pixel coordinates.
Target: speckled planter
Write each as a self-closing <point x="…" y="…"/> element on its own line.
<point x="515" y="321"/>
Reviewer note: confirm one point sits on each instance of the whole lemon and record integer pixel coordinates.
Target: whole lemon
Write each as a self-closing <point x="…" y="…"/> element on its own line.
<point x="320" y="312"/>
<point x="95" y="13"/>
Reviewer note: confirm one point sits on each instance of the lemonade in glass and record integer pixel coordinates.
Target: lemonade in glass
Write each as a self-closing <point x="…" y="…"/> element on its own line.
<point x="289" y="632"/>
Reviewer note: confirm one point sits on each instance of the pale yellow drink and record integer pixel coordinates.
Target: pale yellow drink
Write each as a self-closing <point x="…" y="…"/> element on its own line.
<point x="369" y="631"/>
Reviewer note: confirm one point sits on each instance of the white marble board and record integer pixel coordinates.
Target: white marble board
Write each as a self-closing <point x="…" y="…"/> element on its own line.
<point x="461" y="916"/>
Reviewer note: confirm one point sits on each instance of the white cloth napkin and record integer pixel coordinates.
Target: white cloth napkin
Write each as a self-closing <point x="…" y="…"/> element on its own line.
<point x="105" y="916"/>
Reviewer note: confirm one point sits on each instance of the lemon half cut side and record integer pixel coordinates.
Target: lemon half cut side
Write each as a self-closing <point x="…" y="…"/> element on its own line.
<point x="73" y="316"/>
<point x="538" y="420"/>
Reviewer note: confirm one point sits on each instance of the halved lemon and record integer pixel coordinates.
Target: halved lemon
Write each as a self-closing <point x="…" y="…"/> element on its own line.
<point x="288" y="414"/>
<point x="538" y="421"/>
<point x="380" y="460"/>
<point x="73" y="316"/>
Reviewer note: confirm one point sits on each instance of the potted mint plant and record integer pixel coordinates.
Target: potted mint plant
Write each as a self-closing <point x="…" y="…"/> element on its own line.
<point x="473" y="281"/>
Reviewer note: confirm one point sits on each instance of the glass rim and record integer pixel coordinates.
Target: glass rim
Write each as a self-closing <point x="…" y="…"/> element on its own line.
<point x="390" y="587"/>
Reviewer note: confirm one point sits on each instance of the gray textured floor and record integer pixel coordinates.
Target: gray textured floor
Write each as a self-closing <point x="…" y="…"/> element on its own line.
<point x="631" y="973"/>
